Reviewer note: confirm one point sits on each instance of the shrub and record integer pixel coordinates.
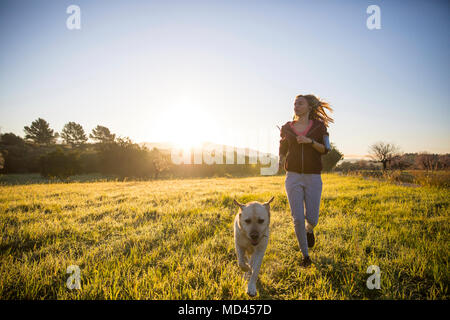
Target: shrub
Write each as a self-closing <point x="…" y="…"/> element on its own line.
<point x="433" y="178"/>
<point x="57" y="164"/>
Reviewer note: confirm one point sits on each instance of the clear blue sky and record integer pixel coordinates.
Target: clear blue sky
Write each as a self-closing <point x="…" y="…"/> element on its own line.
<point x="228" y="71"/>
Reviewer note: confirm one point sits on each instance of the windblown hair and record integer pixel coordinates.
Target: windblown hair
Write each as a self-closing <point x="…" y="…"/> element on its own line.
<point x="318" y="109"/>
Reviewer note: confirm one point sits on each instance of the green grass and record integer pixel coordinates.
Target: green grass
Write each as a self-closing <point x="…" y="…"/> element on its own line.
<point x="173" y="239"/>
<point x="434" y="178"/>
<point x="36" y="178"/>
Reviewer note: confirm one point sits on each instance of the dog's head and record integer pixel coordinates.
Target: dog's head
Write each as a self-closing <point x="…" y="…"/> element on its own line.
<point x="253" y="219"/>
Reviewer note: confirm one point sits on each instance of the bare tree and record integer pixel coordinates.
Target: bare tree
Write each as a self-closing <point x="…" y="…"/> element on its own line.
<point x="444" y="159"/>
<point x="160" y="162"/>
<point x="384" y="152"/>
<point x="399" y="162"/>
<point x="2" y="161"/>
<point x="428" y="161"/>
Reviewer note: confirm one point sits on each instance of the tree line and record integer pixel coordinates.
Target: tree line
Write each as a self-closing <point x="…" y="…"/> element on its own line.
<point x="388" y="156"/>
<point x="39" y="152"/>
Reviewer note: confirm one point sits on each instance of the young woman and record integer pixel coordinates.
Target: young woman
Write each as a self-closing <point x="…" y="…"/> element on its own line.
<point x="303" y="142"/>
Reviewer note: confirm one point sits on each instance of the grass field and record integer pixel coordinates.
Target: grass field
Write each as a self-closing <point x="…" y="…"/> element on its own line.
<point x="173" y="239"/>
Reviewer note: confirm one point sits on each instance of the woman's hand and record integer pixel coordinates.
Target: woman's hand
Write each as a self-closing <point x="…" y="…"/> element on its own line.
<point x="303" y="139"/>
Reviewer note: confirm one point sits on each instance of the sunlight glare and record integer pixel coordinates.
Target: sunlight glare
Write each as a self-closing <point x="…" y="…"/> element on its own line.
<point x="188" y="123"/>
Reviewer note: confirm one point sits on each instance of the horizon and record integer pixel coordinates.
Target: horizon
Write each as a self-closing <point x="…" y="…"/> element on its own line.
<point x="229" y="71"/>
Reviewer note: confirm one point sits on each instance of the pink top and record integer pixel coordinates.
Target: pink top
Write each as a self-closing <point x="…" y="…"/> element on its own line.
<point x="303" y="133"/>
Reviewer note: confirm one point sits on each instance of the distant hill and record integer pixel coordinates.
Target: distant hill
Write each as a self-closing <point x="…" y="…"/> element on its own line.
<point x="162" y="146"/>
<point x="356" y="157"/>
<point x="166" y="147"/>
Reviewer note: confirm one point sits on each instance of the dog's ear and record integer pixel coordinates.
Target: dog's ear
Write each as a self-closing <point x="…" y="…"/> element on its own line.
<point x="238" y="204"/>
<point x="267" y="204"/>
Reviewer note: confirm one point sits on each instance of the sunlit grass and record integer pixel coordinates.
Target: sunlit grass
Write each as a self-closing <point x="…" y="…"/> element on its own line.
<point x="173" y="239"/>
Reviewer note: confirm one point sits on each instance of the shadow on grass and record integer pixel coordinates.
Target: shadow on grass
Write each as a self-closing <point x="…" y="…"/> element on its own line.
<point x="26" y="179"/>
<point x="344" y="280"/>
<point x="35" y="178"/>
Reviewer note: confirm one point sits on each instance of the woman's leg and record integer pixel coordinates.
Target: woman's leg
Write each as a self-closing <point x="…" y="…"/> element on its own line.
<point x="294" y="184"/>
<point x="313" y="192"/>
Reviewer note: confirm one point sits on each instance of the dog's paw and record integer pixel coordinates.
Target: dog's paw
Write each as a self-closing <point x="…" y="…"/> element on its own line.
<point x="245" y="267"/>
<point x="251" y="290"/>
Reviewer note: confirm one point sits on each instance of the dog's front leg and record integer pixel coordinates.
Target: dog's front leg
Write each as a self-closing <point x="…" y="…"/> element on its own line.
<point x="242" y="260"/>
<point x="248" y="274"/>
<point x="256" y="265"/>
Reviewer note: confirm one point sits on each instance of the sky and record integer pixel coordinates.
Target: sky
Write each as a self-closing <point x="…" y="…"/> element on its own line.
<point x="228" y="71"/>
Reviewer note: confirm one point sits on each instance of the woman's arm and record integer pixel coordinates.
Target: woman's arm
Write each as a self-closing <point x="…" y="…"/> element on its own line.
<point x="284" y="145"/>
<point x="316" y="145"/>
<point x="319" y="147"/>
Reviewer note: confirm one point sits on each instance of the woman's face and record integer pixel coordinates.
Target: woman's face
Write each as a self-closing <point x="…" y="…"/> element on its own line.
<point x="301" y="106"/>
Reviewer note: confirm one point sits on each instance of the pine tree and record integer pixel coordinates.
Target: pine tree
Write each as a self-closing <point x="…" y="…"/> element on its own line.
<point x="102" y="135"/>
<point x="73" y="134"/>
<point x="40" y="132"/>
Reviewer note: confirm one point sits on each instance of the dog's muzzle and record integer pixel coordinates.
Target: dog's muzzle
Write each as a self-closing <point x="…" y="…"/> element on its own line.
<point x="254" y="237"/>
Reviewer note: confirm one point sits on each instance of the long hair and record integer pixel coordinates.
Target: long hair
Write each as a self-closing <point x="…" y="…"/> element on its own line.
<point x="318" y="109"/>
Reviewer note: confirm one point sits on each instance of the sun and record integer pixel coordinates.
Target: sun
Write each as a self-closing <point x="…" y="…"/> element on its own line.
<point x="188" y="126"/>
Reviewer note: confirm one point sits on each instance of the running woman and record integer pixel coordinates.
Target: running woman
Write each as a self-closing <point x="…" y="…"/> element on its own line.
<point x="303" y="141"/>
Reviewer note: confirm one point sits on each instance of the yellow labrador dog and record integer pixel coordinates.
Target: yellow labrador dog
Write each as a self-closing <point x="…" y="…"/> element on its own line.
<point x="251" y="236"/>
